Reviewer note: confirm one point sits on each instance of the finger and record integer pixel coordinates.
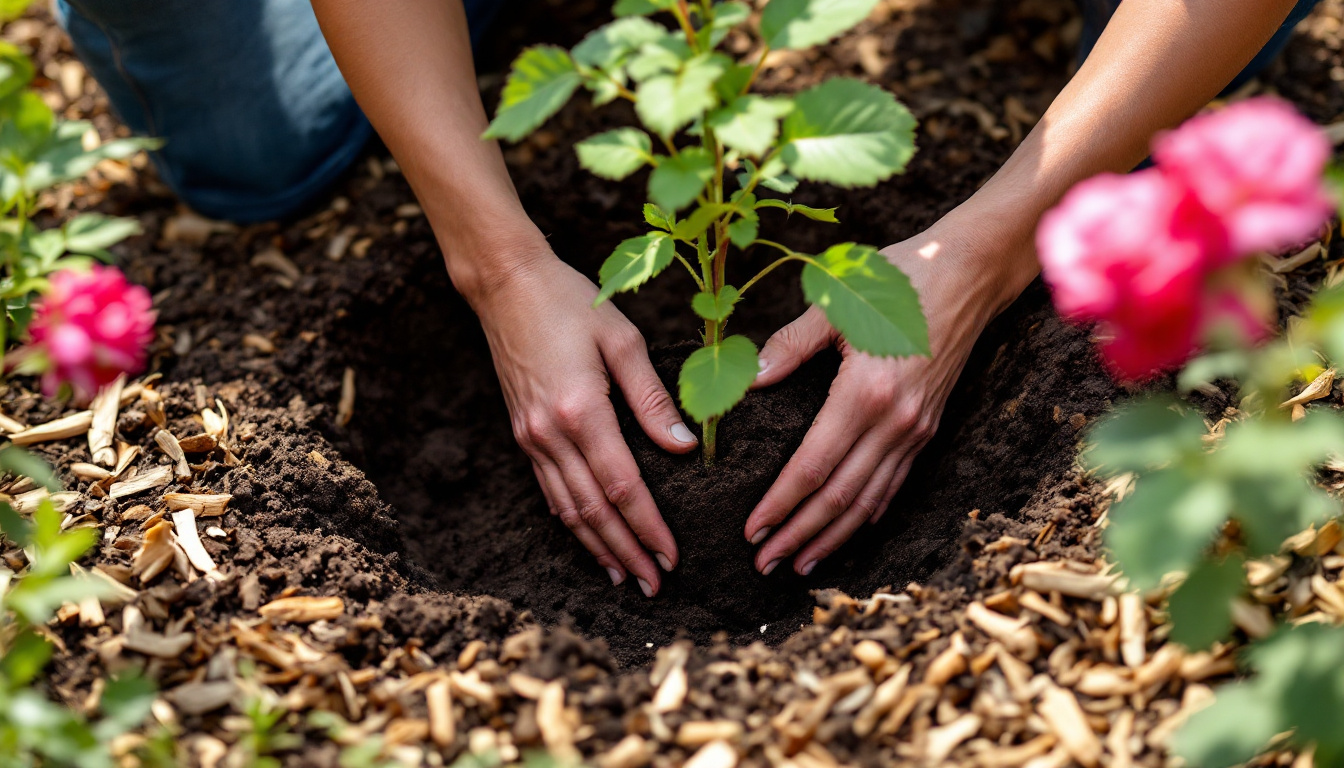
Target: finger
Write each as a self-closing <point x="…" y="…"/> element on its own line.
<point x="828" y="441"/>
<point x="563" y="506"/>
<point x="793" y="345"/>
<point x="615" y="471"/>
<point x="628" y="361"/>
<point x="835" y="496"/>
<point x="894" y="485"/>
<point x="598" y="513"/>
<point x="864" y="507"/>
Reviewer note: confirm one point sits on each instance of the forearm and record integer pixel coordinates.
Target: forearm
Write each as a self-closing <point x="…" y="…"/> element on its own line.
<point x="1157" y="63"/>
<point x="409" y="65"/>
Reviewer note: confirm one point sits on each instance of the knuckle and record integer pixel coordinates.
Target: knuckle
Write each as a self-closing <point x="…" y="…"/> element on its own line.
<point x="570" y="413"/>
<point x="811" y="474"/>
<point x="867" y="504"/>
<point x="622" y="491"/>
<point x="534" y="432"/>
<point x="570" y="517"/>
<point x="652" y="398"/>
<point x="590" y="512"/>
<point x="837" y="496"/>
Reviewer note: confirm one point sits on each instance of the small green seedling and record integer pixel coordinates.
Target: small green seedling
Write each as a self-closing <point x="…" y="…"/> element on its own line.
<point x="696" y="103"/>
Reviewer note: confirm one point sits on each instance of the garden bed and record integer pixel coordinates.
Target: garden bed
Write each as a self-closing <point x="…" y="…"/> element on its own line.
<point x="378" y="467"/>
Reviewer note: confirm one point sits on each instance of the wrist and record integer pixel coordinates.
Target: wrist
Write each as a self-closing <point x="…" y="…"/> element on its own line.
<point x="483" y="263"/>
<point x="994" y="252"/>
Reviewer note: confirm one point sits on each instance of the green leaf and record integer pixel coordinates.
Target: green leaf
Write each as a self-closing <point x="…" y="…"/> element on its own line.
<point x="1301" y="669"/>
<point x="868" y="300"/>
<point x="806" y="23"/>
<point x="633" y="263"/>
<point x="667" y="102"/>
<point x="715" y="378"/>
<point x="1166" y="524"/>
<point x="816" y="214"/>
<point x="615" y="154"/>
<point x="610" y="45"/>
<point x="64" y="158"/>
<point x="1263" y="448"/>
<point x="847" y="133"/>
<point x="773" y="175"/>
<point x="14" y="527"/>
<point x="26" y="125"/>
<point x="13" y="9"/>
<point x="27" y="654"/>
<point x="677" y="181"/>
<point x="691" y="227"/>
<point x="659" y="57"/>
<point x="17" y="461"/>
<point x="1234" y="728"/>
<point x="91" y="233"/>
<point x="1144" y="433"/>
<point x="743" y="232"/>
<point x="726" y="16"/>
<point x="749" y="124"/>
<point x="658" y="218"/>
<point x="641" y="7"/>
<point x="1201" y="607"/>
<point x="16" y="69"/>
<point x="716" y="308"/>
<point x="125" y="704"/>
<point x="541" y="81"/>
<point x="733" y="82"/>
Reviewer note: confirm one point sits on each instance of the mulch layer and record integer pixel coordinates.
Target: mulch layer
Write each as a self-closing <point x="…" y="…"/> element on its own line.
<point x="376" y="547"/>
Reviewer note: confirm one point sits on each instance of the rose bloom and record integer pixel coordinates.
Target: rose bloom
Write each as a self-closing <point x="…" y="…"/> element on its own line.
<point x="1131" y="252"/>
<point x="1257" y="165"/>
<point x="91" y="327"/>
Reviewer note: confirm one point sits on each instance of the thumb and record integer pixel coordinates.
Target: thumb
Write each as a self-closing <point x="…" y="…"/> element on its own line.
<point x="648" y="398"/>
<point x="793" y="345"/>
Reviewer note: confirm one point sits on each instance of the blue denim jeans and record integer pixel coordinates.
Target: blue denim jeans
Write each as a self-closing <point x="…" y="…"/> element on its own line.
<point x="257" y="118"/>
<point x="258" y="121"/>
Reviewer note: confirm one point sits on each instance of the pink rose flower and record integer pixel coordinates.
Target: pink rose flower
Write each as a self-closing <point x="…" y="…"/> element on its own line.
<point x="91" y="326"/>
<point x="1131" y="252"/>
<point x="1258" y="165"/>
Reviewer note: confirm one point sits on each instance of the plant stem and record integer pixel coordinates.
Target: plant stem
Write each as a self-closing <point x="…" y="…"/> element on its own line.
<point x="710" y="429"/>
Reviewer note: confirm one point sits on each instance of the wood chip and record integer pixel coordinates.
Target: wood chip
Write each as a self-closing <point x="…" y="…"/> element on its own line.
<point x="630" y="752"/>
<point x="442" y="724"/>
<point x="1133" y="630"/>
<point x="1016" y="635"/>
<point x="345" y="408"/>
<point x="126" y="453"/>
<point x="273" y="259"/>
<point x="9" y="426"/>
<point x="169" y="445"/>
<point x="156" y="552"/>
<point x="200" y="698"/>
<point x="90" y="472"/>
<point x="939" y="742"/>
<point x="1318" y="388"/>
<point x="948" y="664"/>
<point x="885" y="697"/>
<point x="870" y="654"/>
<point x="672" y="692"/>
<point x="1033" y="601"/>
<point x="1305" y="256"/>
<point x="154" y="477"/>
<point x="1067" y="721"/>
<point x="716" y="754"/>
<point x="184" y="521"/>
<point x="697" y="733"/>
<point x="303" y="610"/>
<point x="103" y="424"/>
<point x="1059" y="577"/>
<point x="201" y="443"/>
<point x="141" y="639"/>
<point x="557" y="730"/>
<point x="65" y="427"/>
<point x="203" y="504"/>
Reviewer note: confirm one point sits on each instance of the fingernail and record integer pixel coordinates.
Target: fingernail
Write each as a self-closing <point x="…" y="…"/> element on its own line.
<point x="616" y="576"/>
<point x="644" y="585"/>
<point x="770" y="566"/>
<point x="807" y="567"/>
<point x="681" y="433"/>
<point x="761" y="367"/>
<point x="760" y="535"/>
<point x="663" y="561"/>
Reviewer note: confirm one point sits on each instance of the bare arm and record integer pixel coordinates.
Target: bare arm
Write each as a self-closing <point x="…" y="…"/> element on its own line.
<point x="409" y="65"/>
<point x="1158" y="62"/>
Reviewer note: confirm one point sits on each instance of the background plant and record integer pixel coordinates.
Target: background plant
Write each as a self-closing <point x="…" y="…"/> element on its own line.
<point x="37" y="153"/>
<point x="1205" y="502"/>
<point x="719" y="147"/>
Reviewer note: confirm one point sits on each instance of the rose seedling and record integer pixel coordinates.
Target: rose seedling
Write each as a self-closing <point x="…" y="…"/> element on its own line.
<point x="714" y="149"/>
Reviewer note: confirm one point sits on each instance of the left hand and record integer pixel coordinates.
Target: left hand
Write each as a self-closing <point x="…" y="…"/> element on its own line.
<point x="880" y="411"/>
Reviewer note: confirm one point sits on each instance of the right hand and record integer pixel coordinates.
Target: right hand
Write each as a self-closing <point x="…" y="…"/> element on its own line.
<point x="556" y="357"/>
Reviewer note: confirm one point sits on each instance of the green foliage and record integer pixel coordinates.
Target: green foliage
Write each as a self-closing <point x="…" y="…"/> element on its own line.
<point x="716" y="377"/>
<point x="868" y="300"/>
<point x="1298" y="687"/>
<point x="702" y="130"/>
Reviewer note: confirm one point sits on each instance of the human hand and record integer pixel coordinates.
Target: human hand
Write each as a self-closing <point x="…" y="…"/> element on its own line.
<point x="553" y="352"/>
<point x="879" y="414"/>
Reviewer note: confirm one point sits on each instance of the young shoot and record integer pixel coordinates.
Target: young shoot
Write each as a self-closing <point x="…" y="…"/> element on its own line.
<point x="714" y="149"/>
